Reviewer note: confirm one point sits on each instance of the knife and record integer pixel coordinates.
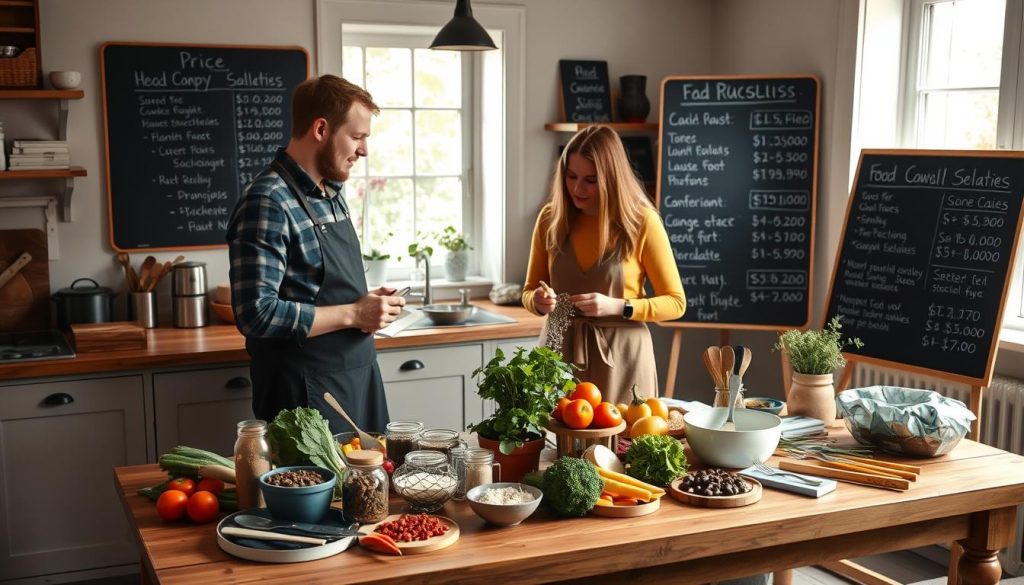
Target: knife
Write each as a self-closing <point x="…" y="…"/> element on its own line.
<point x="260" y="523"/>
<point x="270" y="535"/>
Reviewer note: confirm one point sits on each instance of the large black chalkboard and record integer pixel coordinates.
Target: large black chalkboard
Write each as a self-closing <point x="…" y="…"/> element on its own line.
<point x="737" y="176"/>
<point x="186" y="127"/>
<point x="586" y="92"/>
<point x="923" y="267"/>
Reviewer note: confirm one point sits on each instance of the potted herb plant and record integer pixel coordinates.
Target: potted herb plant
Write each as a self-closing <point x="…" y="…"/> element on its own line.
<point x="815" y="355"/>
<point x="456" y="263"/>
<point x="525" y="390"/>
<point x="376" y="263"/>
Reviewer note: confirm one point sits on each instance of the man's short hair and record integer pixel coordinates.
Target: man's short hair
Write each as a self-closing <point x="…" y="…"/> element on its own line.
<point x="329" y="97"/>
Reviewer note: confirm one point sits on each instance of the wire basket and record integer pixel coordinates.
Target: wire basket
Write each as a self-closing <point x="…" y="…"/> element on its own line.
<point x="20" y="71"/>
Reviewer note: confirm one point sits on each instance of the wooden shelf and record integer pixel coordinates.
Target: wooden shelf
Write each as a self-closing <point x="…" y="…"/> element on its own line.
<point x="41" y="94"/>
<point x="17" y="3"/>
<point x="43" y="174"/>
<point x="617" y="126"/>
<point x="18" y="29"/>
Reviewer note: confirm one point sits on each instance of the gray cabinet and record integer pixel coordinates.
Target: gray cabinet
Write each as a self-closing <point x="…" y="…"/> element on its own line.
<point x="201" y="408"/>
<point x="433" y="385"/>
<point x="59" y="441"/>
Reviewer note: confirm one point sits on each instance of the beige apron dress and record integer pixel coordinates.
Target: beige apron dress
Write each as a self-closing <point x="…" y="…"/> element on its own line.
<point x="612" y="352"/>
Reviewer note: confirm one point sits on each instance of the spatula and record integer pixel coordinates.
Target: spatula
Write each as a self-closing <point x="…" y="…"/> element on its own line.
<point x="366" y="440"/>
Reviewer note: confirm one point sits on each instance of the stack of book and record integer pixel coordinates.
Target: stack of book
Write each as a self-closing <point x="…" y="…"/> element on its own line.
<point x="801" y="426"/>
<point x="35" y="155"/>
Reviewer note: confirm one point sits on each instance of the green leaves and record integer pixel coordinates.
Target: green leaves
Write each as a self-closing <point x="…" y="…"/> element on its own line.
<point x="451" y="240"/>
<point x="817" y="352"/>
<point x="656" y="459"/>
<point x="301" y="436"/>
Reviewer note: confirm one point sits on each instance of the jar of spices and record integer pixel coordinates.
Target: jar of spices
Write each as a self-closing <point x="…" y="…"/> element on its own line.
<point x="252" y="459"/>
<point x="443" y="440"/>
<point x="401" y="438"/>
<point x="364" y="489"/>
<point x="425" y="480"/>
<point x="480" y="468"/>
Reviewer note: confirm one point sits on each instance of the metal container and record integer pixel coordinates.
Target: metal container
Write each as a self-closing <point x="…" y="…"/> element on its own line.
<point x="188" y="279"/>
<point x="190" y="312"/>
<point x="449" y="314"/>
<point x="83" y="304"/>
<point x="142" y="308"/>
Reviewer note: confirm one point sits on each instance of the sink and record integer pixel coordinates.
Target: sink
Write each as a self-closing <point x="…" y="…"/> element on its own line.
<point x="479" y="317"/>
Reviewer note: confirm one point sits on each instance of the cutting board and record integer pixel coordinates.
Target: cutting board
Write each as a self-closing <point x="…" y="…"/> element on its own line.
<point x="422" y="546"/>
<point x="25" y="299"/>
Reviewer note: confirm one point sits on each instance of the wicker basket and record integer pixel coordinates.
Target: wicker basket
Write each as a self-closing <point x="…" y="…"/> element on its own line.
<point x="20" y="71"/>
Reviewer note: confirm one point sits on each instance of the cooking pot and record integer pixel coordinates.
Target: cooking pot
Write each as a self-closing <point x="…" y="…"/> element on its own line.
<point x="83" y="304"/>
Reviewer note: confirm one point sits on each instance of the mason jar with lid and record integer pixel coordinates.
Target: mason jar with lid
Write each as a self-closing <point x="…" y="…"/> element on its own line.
<point x="252" y="459"/>
<point x="402" y="437"/>
<point x="425" y="480"/>
<point x="364" y="489"/>
<point x="443" y="440"/>
<point x="479" y="465"/>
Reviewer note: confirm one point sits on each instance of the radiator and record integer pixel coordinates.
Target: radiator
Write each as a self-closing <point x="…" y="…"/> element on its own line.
<point x="1002" y="424"/>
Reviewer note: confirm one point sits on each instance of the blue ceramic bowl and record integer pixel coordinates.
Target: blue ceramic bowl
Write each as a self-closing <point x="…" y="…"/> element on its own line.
<point x="299" y="504"/>
<point x="764" y="404"/>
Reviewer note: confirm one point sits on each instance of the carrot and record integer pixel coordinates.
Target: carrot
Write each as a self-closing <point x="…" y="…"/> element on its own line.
<point x="626" y="502"/>
<point x="625" y="490"/>
<point x="628" y="480"/>
<point x="603" y="502"/>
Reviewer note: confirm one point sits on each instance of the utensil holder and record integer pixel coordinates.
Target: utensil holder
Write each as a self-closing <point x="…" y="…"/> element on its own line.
<point x="722" y="397"/>
<point x="142" y="309"/>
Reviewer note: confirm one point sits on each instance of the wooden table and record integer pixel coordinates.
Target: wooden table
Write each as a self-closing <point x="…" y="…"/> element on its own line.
<point x="969" y="496"/>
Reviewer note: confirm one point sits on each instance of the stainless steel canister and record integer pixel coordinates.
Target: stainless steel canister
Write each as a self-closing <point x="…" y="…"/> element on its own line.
<point x="188" y="279"/>
<point x="190" y="311"/>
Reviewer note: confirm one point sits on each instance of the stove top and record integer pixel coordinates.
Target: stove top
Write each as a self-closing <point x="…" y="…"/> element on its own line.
<point x="26" y="346"/>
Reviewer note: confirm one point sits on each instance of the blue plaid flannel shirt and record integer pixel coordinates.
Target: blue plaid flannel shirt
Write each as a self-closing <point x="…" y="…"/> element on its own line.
<point x="276" y="263"/>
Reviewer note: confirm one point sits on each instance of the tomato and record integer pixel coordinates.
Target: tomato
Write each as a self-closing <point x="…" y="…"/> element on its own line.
<point x="171" y="504"/>
<point x="560" y="408"/>
<point x="649" y="425"/>
<point x="578" y="414"/>
<point x="388" y="466"/>
<point x="202" y="507"/>
<point x="587" y="391"/>
<point x="658" y="408"/>
<point x="208" y="484"/>
<point x="606" y="416"/>
<point x="182" y="484"/>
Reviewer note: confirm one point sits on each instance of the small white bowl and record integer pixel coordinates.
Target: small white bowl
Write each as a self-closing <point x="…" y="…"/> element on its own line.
<point x="508" y="514"/>
<point x="754" y="440"/>
<point x="65" y="79"/>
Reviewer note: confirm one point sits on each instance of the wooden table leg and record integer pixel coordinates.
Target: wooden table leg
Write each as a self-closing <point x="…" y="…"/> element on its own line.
<point x="673" y="363"/>
<point x="990" y="531"/>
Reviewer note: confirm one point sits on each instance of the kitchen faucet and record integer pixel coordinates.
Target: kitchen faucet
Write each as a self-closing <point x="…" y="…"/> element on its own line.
<point x="426" y="295"/>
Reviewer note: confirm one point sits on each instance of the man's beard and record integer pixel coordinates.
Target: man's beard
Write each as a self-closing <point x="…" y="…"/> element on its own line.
<point x="327" y="163"/>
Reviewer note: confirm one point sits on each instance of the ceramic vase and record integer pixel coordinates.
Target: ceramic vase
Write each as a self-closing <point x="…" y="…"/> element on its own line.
<point x="813" y="395"/>
<point x="455" y="265"/>
<point x="376" y="272"/>
<point x="633" y="103"/>
<point x="518" y="463"/>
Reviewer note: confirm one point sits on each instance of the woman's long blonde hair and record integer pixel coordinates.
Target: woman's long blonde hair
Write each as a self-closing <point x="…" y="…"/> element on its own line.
<point x="622" y="200"/>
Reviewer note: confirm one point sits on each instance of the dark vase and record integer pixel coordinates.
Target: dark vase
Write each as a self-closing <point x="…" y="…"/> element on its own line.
<point x="633" y="103"/>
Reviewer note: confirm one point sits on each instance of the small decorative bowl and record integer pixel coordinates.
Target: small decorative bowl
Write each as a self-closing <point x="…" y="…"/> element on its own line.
<point x="9" y="50"/>
<point x="342" y="438"/>
<point x="299" y="504"/>
<point x="503" y="514"/>
<point x="764" y="404"/>
<point x="225" y="313"/>
<point x="65" y="79"/>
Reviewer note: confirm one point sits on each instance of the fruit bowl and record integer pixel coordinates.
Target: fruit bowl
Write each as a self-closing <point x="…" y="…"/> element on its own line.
<point x="573" y="442"/>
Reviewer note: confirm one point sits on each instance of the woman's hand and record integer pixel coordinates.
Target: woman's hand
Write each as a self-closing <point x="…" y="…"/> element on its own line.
<point x="544" y="300"/>
<point x="597" y="305"/>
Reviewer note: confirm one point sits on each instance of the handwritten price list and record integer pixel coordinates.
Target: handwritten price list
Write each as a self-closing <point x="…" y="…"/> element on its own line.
<point x="737" y="194"/>
<point x="924" y="258"/>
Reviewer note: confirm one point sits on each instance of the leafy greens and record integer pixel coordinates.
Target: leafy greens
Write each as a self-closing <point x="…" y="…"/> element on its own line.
<point x="302" y="436"/>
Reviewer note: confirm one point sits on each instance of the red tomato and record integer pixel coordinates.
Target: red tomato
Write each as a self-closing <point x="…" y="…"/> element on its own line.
<point x="560" y="408"/>
<point x="182" y="484"/>
<point x="587" y="391"/>
<point x="171" y="505"/>
<point x="606" y="415"/>
<point x="202" y="507"/>
<point x="578" y="414"/>
<point x="208" y="484"/>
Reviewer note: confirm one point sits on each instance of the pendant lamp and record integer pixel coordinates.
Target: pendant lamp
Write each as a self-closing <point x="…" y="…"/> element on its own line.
<point x="463" y="32"/>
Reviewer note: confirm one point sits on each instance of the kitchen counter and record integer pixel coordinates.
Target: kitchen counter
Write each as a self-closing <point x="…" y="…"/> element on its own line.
<point x="220" y="344"/>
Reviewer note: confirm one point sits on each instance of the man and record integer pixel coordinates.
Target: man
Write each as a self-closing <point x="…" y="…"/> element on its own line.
<point x="297" y="283"/>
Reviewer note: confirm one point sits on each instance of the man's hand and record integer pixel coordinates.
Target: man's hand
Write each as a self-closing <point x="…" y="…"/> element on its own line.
<point x="597" y="305"/>
<point x="375" y="310"/>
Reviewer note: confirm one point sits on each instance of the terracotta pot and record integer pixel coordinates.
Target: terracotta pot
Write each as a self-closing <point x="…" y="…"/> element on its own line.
<point x="517" y="464"/>
<point x="813" y="395"/>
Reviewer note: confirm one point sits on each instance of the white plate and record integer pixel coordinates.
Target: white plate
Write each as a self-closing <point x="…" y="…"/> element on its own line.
<point x="298" y="555"/>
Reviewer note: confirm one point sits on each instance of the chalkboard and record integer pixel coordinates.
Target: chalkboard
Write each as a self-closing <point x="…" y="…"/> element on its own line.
<point x="186" y="127"/>
<point x="586" y="91"/>
<point x="737" y="186"/>
<point x="923" y="268"/>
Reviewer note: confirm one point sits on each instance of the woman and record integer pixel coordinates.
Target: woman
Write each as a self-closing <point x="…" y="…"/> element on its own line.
<point x="598" y="239"/>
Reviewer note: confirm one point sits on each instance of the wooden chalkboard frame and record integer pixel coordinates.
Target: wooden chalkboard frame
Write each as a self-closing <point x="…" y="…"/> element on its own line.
<point x="855" y="358"/>
<point x="606" y="97"/>
<point x="106" y="125"/>
<point x="814" y="197"/>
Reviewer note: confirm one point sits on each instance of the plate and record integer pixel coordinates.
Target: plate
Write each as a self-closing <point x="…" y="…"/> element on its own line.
<point x="273" y="552"/>
<point x="421" y="546"/>
<point x="734" y="501"/>
<point x="627" y="511"/>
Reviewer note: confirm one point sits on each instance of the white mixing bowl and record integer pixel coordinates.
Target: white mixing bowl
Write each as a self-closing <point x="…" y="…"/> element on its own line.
<point x="755" y="438"/>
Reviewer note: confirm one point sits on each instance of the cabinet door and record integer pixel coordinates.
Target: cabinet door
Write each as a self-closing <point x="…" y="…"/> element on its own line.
<point x="59" y="441"/>
<point x="508" y="348"/>
<point x="201" y="408"/>
<point x="433" y="385"/>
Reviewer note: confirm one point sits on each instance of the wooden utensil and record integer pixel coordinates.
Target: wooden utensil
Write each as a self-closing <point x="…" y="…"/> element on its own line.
<point x="365" y="439"/>
<point x="745" y="362"/>
<point x="265" y="535"/>
<point x="728" y="361"/>
<point x="880" y="463"/>
<point x="864" y="468"/>
<point x="159" y="272"/>
<point x="869" y="479"/>
<point x="129" y="272"/>
<point x="713" y="362"/>
<point x="145" y="273"/>
<point x="13" y="269"/>
<point x="25" y="300"/>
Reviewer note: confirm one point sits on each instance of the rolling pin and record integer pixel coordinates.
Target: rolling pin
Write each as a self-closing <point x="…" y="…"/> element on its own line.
<point x="13" y="269"/>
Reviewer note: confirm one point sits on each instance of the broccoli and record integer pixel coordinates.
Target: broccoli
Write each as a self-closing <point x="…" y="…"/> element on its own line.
<point x="571" y="486"/>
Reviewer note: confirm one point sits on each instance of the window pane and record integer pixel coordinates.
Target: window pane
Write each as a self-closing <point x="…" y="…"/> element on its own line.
<point x="391" y="206"/>
<point x="438" y="79"/>
<point x="438" y="204"/>
<point x="389" y="76"/>
<point x="963" y="119"/>
<point x="390" y="144"/>
<point x="438" y="142"/>
<point x="964" y="43"/>
<point x="352" y="64"/>
<point x="355" y="198"/>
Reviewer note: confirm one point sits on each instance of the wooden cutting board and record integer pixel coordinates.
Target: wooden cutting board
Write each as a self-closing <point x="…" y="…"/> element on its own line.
<point x="422" y="546"/>
<point x="25" y="299"/>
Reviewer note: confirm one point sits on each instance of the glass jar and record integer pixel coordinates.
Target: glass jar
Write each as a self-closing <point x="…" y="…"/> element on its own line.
<point x="722" y="398"/>
<point x="479" y="468"/>
<point x="443" y="440"/>
<point x="364" y="489"/>
<point x="252" y="459"/>
<point x="401" y="438"/>
<point x="425" y="480"/>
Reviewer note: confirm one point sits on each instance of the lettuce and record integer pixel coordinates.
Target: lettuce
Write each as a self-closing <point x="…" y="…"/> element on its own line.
<point x="302" y="436"/>
<point x="656" y="459"/>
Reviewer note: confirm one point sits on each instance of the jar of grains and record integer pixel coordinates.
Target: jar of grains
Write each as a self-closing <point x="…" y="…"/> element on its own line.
<point x="443" y="440"/>
<point x="364" y="489"/>
<point x="480" y="468"/>
<point x="252" y="459"/>
<point x="425" y="480"/>
<point x="401" y="438"/>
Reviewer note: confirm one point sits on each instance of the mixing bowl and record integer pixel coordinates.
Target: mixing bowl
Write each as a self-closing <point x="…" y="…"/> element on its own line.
<point x="448" y="314"/>
<point x="755" y="438"/>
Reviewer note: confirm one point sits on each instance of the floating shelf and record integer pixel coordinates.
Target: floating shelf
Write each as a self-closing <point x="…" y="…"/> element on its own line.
<point x="41" y="94"/>
<point x="17" y="29"/>
<point x="617" y="126"/>
<point x="64" y="199"/>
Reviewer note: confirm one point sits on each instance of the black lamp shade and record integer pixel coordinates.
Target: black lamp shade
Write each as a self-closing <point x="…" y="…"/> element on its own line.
<point x="463" y="32"/>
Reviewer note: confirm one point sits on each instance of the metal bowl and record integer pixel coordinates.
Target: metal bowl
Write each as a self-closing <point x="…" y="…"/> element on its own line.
<point x="449" y="314"/>
<point x="9" y="50"/>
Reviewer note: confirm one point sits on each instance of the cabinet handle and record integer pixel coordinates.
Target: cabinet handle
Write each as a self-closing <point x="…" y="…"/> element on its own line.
<point x="411" y="365"/>
<point x="239" y="383"/>
<point x="58" y="399"/>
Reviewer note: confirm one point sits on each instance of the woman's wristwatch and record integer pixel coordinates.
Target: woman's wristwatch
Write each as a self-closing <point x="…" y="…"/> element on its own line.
<point x="627" y="309"/>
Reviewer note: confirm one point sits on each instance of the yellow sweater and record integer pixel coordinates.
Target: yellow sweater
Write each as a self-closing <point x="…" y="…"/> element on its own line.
<point x="652" y="259"/>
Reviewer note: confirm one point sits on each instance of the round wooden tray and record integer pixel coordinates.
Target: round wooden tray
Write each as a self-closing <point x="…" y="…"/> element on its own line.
<point x="718" y="501"/>
<point x="421" y="546"/>
<point x="627" y="511"/>
<point x="573" y="442"/>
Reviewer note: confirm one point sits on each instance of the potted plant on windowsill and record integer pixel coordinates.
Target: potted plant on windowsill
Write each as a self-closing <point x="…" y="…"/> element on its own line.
<point x="815" y="355"/>
<point x="456" y="263"/>
<point x="525" y="390"/>
<point x="376" y="263"/>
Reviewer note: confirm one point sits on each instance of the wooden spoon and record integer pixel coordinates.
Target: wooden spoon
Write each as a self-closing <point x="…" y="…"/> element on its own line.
<point x="366" y="440"/>
<point x="144" y="273"/>
<point x="713" y="362"/>
<point x="728" y="362"/>
<point x="129" y="272"/>
<point x="745" y="362"/>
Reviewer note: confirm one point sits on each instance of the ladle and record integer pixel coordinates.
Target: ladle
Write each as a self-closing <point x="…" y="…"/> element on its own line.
<point x="366" y="440"/>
